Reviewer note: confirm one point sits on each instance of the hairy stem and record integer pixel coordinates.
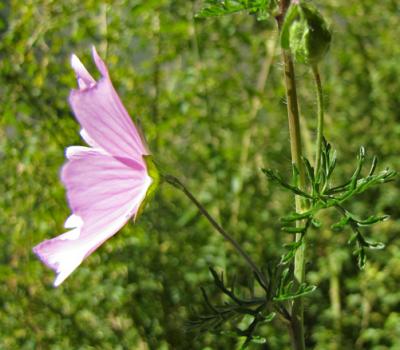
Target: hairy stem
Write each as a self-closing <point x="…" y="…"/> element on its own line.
<point x="320" y="126"/>
<point x="172" y="180"/>
<point x="297" y="319"/>
<point x="297" y="322"/>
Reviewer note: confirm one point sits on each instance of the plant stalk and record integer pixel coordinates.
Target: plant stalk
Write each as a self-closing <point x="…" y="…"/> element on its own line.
<point x="320" y="125"/>
<point x="297" y="322"/>
<point x="172" y="180"/>
<point x="297" y="317"/>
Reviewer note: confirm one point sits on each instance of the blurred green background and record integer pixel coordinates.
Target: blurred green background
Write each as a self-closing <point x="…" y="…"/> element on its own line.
<point x="210" y="97"/>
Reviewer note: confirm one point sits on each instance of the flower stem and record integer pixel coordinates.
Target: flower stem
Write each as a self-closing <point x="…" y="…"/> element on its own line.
<point x="172" y="180"/>
<point x="297" y="322"/>
<point x="320" y="126"/>
<point x="297" y="316"/>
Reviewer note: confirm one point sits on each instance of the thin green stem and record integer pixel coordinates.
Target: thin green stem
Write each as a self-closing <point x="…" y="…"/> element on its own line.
<point x="172" y="180"/>
<point x="320" y="126"/>
<point x="297" y="316"/>
<point x="297" y="322"/>
<point x="293" y="117"/>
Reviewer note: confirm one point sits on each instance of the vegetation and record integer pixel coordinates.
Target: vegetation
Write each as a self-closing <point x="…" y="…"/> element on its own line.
<point x="210" y="96"/>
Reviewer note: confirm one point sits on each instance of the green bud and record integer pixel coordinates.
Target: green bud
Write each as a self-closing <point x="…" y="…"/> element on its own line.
<point x="305" y="33"/>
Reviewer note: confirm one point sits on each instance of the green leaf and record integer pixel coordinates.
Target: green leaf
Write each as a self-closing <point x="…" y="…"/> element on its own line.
<point x="373" y="166"/>
<point x="339" y="226"/>
<point x="277" y="179"/>
<point x="258" y="340"/>
<point x="304" y="289"/>
<point x="294" y="229"/>
<point x="361" y="160"/>
<point x="309" y="170"/>
<point x="316" y="223"/>
<point x="269" y="317"/>
<point x="296" y="216"/>
<point x="291" y="253"/>
<point x="373" y="219"/>
<point x="375" y="245"/>
<point x="361" y="258"/>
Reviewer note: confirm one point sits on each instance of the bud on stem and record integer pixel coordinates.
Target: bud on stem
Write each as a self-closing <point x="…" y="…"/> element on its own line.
<point x="305" y="33"/>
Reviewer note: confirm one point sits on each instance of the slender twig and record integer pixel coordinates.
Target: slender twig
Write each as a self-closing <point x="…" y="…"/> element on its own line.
<point x="172" y="180"/>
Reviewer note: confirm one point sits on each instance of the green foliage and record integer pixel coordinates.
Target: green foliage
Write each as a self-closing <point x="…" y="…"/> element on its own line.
<point x="305" y="32"/>
<point x="262" y="8"/>
<point x="202" y="121"/>
<point x="285" y="290"/>
<point x="235" y="312"/>
<point x="325" y="195"/>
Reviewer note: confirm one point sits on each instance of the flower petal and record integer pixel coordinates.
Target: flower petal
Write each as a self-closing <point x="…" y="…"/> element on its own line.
<point x="85" y="80"/>
<point x="97" y="182"/>
<point x="73" y="221"/>
<point x="65" y="253"/>
<point x="103" y="192"/>
<point x="106" y="183"/>
<point x="101" y="66"/>
<point x="105" y="120"/>
<point x="59" y="255"/>
<point x="84" y="134"/>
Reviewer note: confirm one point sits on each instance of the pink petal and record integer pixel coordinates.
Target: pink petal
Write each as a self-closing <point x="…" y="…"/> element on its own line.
<point x="86" y="137"/>
<point x="85" y="80"/>
<point x="73" y="221"/>
<point x="60" y="255"/>
<point x="103" y="193"/>
<point x="65" y="253"/>
<point x="72" y="152"/>
<point x="76" y="151"/>
<point x="107" y="182"/>
<point x="101" y="66"/>
<point x="105" y="120"/>
<point x="97" y="182"/>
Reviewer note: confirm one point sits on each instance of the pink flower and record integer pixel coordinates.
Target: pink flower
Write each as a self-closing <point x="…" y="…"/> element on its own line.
<point x="108" y="182"/>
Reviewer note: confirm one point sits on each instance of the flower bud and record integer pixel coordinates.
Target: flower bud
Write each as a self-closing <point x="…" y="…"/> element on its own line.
<point x="305" y="33"/>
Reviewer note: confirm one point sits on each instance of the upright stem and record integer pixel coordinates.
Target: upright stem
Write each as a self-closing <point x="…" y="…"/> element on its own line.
<point x="297" y="321"/>
<point x="320" y="127"/>
<point x="293" y="116"/>
<point x="172" y="180"/>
